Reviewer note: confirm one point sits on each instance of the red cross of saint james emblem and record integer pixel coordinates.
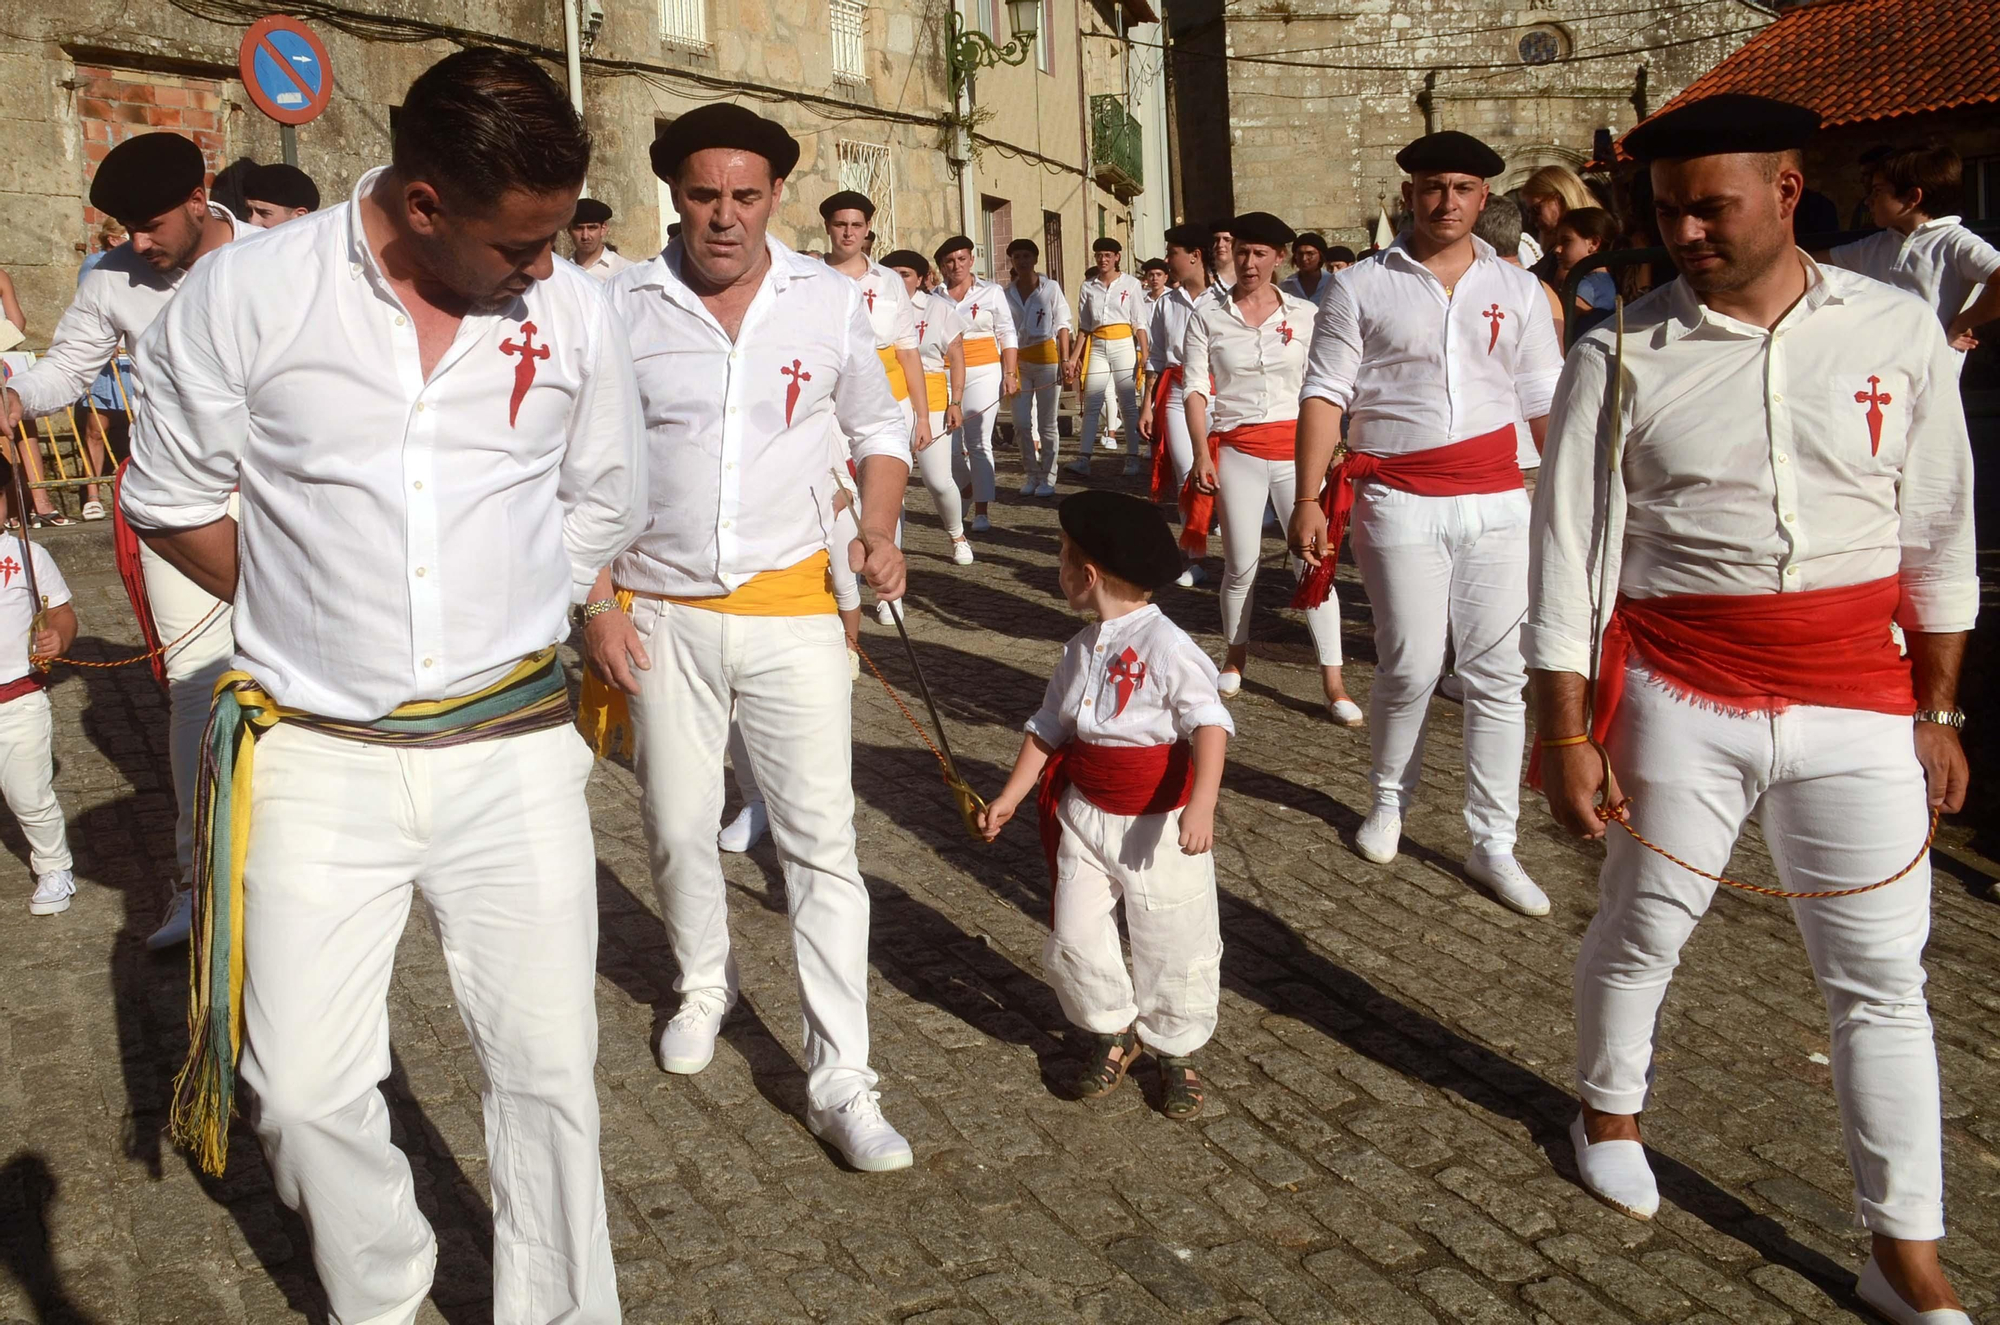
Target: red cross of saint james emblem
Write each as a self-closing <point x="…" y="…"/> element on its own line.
<point x="9" y="568"/>
<point x="920" y="328"/>
<point x="975" y="310"/>
<point x="524" y="371"/>
<point x="1874" y="398"/>
<point x="1285" y="332"/>
<point x="798" y="375"/>
<point x="1127" y="674"/>
<point x="869" y="295"/>
<point x="1494" y="317"/>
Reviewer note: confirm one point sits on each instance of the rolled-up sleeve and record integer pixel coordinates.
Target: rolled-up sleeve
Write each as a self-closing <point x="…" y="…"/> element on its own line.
<point x="1192" y="696"/>
<point x="84" y="341"/>
<point x="1541" y="361"/>
<point x="1195" y="371"/>
<point x="1939" y="574"/>
<point x="1048" y="724"/>
<point x="869" y="415"/>
<point x="191" y="417"/>
<point x="1335" y="354"/>
<point x="1561" y="556"/>
<point x="1005" y="332"/>
<point x="603" y="486"/>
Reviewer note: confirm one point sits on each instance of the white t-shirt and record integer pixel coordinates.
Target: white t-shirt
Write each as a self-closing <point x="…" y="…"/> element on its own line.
<point x="17" y="608"/>
<point x="1940" y="262"/>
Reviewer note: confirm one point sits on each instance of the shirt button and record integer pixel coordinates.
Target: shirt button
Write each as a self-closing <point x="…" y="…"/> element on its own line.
<point x="1086" y="703"/>
<point x="1777" y="400"/>
<point x="732" y="409"/>
<point x="420" y="407"/>
<point x="1791" y="570"/>
<point x="420" y="572"/>
<point x="1783" y="458"/>
<point x="429" y="662"/>
<point x="1790" y="518"/>
<point x="418" y="485"/>
<point x="401" y="320"/>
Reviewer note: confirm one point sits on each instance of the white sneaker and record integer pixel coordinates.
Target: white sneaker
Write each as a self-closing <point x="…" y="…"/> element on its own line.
<point x="1186" y="578"/>
<point x="1874" y="1288"/>
<point x="1500" y="874"/>
<point x="1045" y="490"/>
<point x="52" y="893"/>
<point x="861" y="1134"/>
<point x="179" y="919"/>
<point x="1080" y="468"/>
<point x="1346" y="713"/>
<point x="1379" y="835"/>
<point x="1228" y="684"/>
<point x="686" y="1044"/>
<point x="980" y="524"/>
<point x="1616" y="1173"/>
<point x="884" y="613"/>
<point x="961" y="552"/>
<point x="1028" y="486"/>
<point x="746" y="830"/>
<point x="1195" y="574"/>
<point x="1135" y="467"/>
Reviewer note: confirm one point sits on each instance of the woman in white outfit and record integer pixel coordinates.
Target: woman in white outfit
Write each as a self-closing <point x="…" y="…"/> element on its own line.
<point x="1244" y="356"/>
<point x="992" y="370"/>
<point x="1042" y="320"/>
<point x="941" y="348"/>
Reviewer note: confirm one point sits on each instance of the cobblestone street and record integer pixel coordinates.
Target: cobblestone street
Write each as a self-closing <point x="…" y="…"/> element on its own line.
<point x="1386" y="1142"/>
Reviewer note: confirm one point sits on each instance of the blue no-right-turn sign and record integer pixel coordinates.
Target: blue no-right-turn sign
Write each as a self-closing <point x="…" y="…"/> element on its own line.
<point x="285" y="69"/>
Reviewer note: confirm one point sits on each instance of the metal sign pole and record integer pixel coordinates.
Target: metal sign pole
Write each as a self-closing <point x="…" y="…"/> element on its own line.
<point x="288" y="138"/>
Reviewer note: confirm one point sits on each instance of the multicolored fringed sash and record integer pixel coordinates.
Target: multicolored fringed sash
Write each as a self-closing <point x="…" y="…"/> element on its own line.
<point x="533" y="697"/>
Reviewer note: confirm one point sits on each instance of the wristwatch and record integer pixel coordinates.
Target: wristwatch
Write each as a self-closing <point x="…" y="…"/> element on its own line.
<point x="598" y="608"/>
<point x="1943" y="717"/>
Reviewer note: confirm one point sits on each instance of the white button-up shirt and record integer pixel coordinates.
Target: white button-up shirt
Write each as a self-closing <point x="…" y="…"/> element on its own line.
<point x="938" y="325"/>
<point x="1137" y="680"/>
<point x="1417" y="367"/>
<point x="1042" y="313"/>
<point x="742" y="434"/>
<point x="1250" y="374"/>
<point x="1166" y="333"/>
<point x="1101" y="305"/>
<point x="400" y="538"/>
<point x="1828" y="451"/>
<point x="1940" y="262"/>
<point x="606" y="265"/>
<point x="986" y="314"/>
<point x="17" y="606"/>
<point x="887" y="304"/>
<point x="115" y="301"/>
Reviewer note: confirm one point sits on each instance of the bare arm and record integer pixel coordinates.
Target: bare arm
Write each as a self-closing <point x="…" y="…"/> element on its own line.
<point x="920" y="415"/>
<point x="1010" y="369"/>
<point x="1028" y="766"/>
<point x="10" y="303"/>
<point x="1211" y="748"/>
<point x="1538" y="428"/>
<point x="55" y="637"/>
<point x="1935" y="660"/>
<point x="1319" y="438"/>
<point x="206" y="555"/>
<point x="954" y="376"/>
<point x="1984" y="309"/>
<point x="611" y="643"/>
<point x="883" y="479"/>
<point x="1573" y="776"/>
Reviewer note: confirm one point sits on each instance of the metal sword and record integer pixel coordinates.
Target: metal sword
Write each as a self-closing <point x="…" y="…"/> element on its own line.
<point x="969" y="801"/>
<point x="22" y="510"/>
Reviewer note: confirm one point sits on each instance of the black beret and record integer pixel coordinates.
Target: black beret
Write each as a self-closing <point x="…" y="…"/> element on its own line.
<point x="1024" y="246"/>
<point x="1219" y="228"/>
<point x="590" y="211"/>
<point x="1106" y="244"/>
<point x="1125" y="535"/>
<point x="1726" y="123"/>
<point x="147" y="176"/>
<point x="955" y="244"/>
<point x="286" y="186"/>
<point x="906" y="257"/>
<point x="1156" y="264"/>
<point x="844" y="201"/>
<point x="1188" y="236"/>
<point x="1448" y="150"/>
<point x="1341" y="253"/>
<point x="1312" y="239"/>
<point x="724" y="124"/>
<point x="1262" y="228"/>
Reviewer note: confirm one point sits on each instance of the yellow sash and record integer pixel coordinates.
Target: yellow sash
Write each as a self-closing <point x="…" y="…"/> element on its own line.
<point x="1038" y="351"/>
<point x="982" y="350"/>
<point x="1115" y="331"/>
<point x="899" y="386"/>
<point x="937" y="389"/>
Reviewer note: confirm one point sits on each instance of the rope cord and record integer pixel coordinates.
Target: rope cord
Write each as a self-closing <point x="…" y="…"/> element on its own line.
<point x="46" y="663"/>
<point x="970" y="803"/>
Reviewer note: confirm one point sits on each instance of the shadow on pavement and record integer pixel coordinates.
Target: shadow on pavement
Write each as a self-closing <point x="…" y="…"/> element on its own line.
<point x="27" y="1190"/>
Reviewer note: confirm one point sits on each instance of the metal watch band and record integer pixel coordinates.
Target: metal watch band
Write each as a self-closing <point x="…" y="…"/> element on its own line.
<point x="596" y="608"/>
<point x="1942" y="717"/>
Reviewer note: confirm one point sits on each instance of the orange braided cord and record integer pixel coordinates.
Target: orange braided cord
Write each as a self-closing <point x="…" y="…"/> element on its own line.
<point x="1617" y="814"/>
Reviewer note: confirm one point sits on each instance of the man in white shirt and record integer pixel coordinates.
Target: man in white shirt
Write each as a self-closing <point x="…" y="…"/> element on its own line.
<point x="1308" y="278"/>
<point x="589" y="228"/>
<point x="438" y="443"/>
<point x="277" y="193"/>
<point x="1436" y="350"/>
<point x="992" y="370"/>
<point x="1787" y="473"/>
<point x="1042" y="320"/>
<point x="1164" y="421"/>
<point x="1108" y="307"/>
<point x="756" y="364"/>
<point x="152" y="184"/>
<point x="847" y="216"/>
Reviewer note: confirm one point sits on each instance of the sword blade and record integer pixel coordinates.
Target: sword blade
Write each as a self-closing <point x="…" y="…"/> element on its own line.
<point x="22" y="509"/>
<point x="909" y="651"/>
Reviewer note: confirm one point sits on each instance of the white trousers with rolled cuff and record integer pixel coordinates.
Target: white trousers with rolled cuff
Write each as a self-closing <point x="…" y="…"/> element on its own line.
<point x="1456" y="565"/>
<point x="971" y="447"/>
<point x="1840" y="799"/>
<point x="497" y="835"/>
<point x="1173" y="989"/>
<point x="197" y="630"/>
<point x="788" y="682"/>
<point x="1035" y="430"/>
<point x="1112" y="365"/>
<point x="28" y="780"/>
<point x="1246" y="485"/>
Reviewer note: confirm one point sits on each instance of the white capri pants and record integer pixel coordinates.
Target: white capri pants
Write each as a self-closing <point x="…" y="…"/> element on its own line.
<point x="28" y="780"/>
<point x="497" y="834"/>
<point x="1035" y="431"/>
<point x="972" y="445"/>
<point x="934" y="469"/>
<point x="1246" y="485"/>
<point x="787" y="679"/>
<point x="1174" y="987"/>
<point x="1840" y="798"/>
<point x="193" y="667"/>
<point x="1434" y="565"/>
<point x="1180" y="447"/>
<point x="1111" y="362"/>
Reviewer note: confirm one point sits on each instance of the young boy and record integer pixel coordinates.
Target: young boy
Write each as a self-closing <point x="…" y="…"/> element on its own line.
<point x="1921" y="247"/>
<point x="27" y="768"/>
<point x="1125" y="758"/>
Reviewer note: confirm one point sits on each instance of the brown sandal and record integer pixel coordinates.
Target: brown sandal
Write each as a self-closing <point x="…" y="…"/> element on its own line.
<point x="1110" y="1059"/>
<point x="1181" y="1094"/>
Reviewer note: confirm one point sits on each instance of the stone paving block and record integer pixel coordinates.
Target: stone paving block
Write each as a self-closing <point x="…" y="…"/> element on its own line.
<point x="1284" y="1294"/>
<point x="1560" y="1302"/>
<point x="1461" y="1298"/>
<point x="1244" y="1143"/>
<point x="1351" y="1215"/>
<point x="1363" y="1293"/>
<point x="1165" y="1273"/>
<point x="1710" y="1286"/>
<point x="1639" y="1292"/>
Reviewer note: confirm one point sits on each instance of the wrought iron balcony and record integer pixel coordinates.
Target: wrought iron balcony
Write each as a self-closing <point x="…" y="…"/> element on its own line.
<point x="1117" y="159"/>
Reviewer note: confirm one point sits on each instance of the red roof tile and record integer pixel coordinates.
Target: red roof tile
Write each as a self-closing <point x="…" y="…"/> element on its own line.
<point x="1860" y="60"/>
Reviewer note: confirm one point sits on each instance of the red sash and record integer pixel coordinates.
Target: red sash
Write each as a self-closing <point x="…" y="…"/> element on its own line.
<point x="1162" y="389"/>
<point x="1277" y="440"/>
<point x="1486" y="463"/>
<point x="1118" y="779"/>
<point x="26" y="685"/>
<point x="125" y="550"/>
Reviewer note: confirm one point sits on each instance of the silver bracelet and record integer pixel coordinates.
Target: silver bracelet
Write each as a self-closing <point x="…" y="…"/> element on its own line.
<point x="596" y="609"/>
<point x="1942" y="717"/>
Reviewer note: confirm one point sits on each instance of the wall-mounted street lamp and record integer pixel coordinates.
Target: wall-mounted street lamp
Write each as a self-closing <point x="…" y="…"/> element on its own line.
<point x="969" y="51"/>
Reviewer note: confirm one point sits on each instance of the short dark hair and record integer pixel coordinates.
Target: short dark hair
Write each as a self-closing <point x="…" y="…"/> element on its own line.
<point x="481" y="122"/>
<point x="1932" y="167"/>
<point x="1593" y="223"/>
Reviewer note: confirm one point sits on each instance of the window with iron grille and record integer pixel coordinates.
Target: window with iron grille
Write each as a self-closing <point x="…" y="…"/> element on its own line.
<point x="684" y="23"/>
<point x="865" y="168"/>
<point x="850" y="48"/>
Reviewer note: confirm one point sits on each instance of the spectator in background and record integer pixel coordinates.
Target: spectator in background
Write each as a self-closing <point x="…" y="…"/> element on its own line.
<point x="278" y="193"/>
<point x="1545" y="197"/>
<point x="1584" y="233"/>
<point x="1340" y="257"/>
<point x="1155" y="276"/>
<point x="227" y="190"/>
<point x="1499" y="224"/>
<point x="104" y="398"/>
<point x="1309" y="263"/>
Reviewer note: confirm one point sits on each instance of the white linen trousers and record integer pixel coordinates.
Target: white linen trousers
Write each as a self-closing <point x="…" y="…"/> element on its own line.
<point x="1036" y="406"/>
<point x="1246" y="485"/>
<point x="28" y="780"/>
<point x="1112" y="363"/>
<point x="971" y="447"/>
<point x="193" y="666"/>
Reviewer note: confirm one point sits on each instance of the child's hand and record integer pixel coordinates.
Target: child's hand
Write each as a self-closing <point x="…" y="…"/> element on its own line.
<point x="995" y="816"/>
<point x="1197" y="829"/>
<point x="46" y="644"/>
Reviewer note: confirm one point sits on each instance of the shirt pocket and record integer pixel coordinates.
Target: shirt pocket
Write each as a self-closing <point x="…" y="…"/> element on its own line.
<point x="1869" y="418"/>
